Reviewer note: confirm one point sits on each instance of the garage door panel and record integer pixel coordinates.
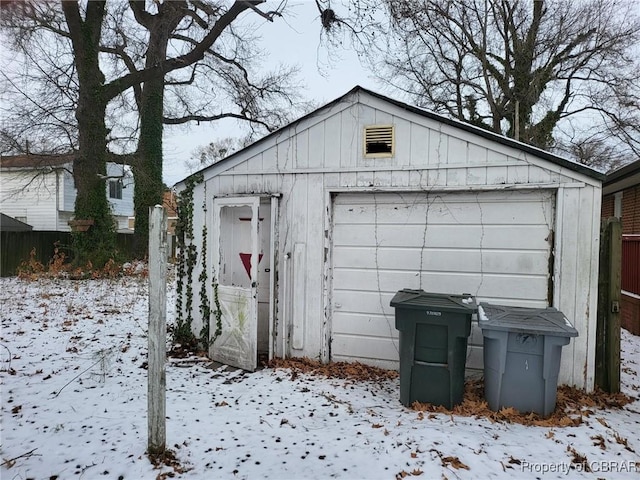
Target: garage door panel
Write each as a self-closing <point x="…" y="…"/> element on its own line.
<point x="525" y="237"/>
<point x="503" y="209"/>
<point x="475" y="283"/>
<point x="484" y="197"/>
<point x="439" y="259"/>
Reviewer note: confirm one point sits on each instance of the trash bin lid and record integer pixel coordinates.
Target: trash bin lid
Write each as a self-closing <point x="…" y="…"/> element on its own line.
<point x="443" y="302"/>
<point x="537" y="321"/>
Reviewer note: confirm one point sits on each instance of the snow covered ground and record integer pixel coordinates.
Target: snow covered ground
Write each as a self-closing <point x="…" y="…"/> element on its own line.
<point x="74" y="400"/>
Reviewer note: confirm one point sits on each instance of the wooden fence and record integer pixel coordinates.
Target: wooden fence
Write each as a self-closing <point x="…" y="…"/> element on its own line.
<point x="607" y="374"/>
<point x="16" y="247"/>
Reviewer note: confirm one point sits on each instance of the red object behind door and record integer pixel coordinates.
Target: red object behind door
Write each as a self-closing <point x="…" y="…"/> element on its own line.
<point x="246" y="261"/>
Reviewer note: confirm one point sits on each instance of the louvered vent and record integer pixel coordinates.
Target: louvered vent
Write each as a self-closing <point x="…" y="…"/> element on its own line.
<point x="378" y="141"/>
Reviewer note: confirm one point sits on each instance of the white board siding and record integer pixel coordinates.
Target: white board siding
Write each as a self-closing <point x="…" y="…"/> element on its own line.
<point x="578" y="247"/>
<point x="494" y="245"/>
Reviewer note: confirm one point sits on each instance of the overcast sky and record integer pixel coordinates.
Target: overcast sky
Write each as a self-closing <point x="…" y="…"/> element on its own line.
<point x="294" y="39"/>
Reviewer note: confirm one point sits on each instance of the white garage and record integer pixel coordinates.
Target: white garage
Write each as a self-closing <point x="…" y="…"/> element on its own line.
<point x="305" y="235"/>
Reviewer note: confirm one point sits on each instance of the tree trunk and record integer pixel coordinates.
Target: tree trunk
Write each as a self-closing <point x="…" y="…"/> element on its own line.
<point x="98" y="244"/>
<point x="147" y="172"/>
<point x="148" y="169"/>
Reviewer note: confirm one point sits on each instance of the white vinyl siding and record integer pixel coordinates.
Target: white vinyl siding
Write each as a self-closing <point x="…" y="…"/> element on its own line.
<point x="122" y="202"/>
<point x="31" y="196"/>
<point x="47" y="200"/>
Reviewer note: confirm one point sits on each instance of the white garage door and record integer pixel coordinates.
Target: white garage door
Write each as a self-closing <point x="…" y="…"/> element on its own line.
<point x="494" y="245"/>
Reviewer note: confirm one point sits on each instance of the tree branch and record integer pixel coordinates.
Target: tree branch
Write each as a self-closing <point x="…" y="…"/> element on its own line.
<point x="184" y="82"/>
<point x="197" y="53"/>
<point x="143" y="17"/>
<point x="213" y="118"/>
<point x="120" y="52"/>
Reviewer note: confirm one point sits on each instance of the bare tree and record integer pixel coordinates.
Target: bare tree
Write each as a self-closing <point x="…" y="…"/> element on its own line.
<point x="522" y="68"/>
<point x="117" y="64"/>
<point x="206" y="155"/>
<point x="225" y="70"/>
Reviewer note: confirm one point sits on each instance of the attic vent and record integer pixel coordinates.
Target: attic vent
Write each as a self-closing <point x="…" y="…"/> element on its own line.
<point x="378" y="141"/>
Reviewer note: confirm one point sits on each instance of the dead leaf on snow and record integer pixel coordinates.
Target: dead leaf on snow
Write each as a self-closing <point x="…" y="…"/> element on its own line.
<point x="623" y="441"/>
<point x="169" y="459"/>
<point x="572" y="406"/>
<point x="579" y="459"/>
<point x="598" y="441"/>
<point x="454" y="462"/>
<point x="355" y="371"/>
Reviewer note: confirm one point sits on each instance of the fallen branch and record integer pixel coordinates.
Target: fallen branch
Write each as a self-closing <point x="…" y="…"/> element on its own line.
<point x="102" y="357"/>
<point x="12" y="461"/>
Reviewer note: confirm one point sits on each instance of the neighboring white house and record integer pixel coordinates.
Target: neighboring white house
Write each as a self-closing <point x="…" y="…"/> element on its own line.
<point x="39" y="191"/>
<point x="366" y="196"/>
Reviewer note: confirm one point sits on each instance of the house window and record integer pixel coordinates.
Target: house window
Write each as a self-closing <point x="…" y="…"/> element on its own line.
<point x="378" y="141"/>
<point x="115" y="189"/>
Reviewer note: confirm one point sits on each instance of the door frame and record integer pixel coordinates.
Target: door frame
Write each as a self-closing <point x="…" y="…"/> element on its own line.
<point x="236" y="300"/>
<point x="213" y="253"/>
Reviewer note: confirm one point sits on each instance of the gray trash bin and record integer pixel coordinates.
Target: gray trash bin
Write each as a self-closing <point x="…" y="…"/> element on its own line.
<point x="522" y="351"/>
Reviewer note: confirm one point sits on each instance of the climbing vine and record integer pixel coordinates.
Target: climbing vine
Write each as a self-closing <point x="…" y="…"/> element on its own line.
<point x="218" y="310"/>
<point x="186" y="261"/>
<point x="205" y="307"/>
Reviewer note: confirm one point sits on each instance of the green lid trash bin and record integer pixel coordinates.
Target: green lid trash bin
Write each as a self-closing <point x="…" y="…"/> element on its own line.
<point x="522" y="351"/>
<point x="433" y="331"/>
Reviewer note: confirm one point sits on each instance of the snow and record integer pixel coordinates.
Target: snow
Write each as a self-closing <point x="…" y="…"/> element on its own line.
<point x="74" y="400"/>
<point x="482" y="316"/>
